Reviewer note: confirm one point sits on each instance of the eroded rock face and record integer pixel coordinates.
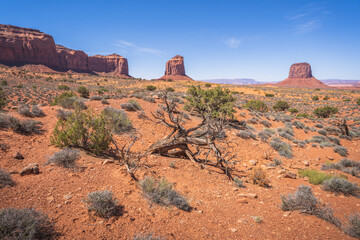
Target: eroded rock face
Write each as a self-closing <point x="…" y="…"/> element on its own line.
<point x="300" y="70"/>
<point x="175" y="66"/>
<point x="110" y="63"/>
<point x="70" y="59"/>
<point x="19" y="46"/>
<point x="300" y="76"/>
<point x="26" y="46"/>
<point x="175" y="69"/>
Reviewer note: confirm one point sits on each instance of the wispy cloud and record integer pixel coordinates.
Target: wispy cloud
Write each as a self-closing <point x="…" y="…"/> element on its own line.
<point x="232" y="42"/>
<point x="129" y="46"/>
<point x="309" y="18"/>
<point x="308" y="27"/>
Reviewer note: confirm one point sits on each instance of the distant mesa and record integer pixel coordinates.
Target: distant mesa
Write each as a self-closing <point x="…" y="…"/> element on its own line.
<point x="300" y="76"/>
<point x="175" y="69"/>
<point x="20" y="46"/>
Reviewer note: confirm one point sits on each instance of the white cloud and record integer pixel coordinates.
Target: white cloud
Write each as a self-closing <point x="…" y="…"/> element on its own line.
<point x="233" y="42"/>
<point x="307" y="27"/>
<point x="125" y="45"/>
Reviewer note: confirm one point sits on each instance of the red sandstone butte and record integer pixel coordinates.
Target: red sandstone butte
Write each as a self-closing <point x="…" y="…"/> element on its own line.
<point x="300" y="76"/>
<point x="175" y="69"/>
<point x="20" y="46"/>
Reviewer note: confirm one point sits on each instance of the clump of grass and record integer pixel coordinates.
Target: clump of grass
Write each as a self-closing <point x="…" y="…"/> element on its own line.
<point x="25" y="127"/>
<point x="150" y="88"/>
<point x="135" y="103"/>
<point x="340" y="185"/>
<point x="238" y="183"/>
<point x="117" y="119"/>
<point x="25" y="224"/>
<point x="315" y="177"/>
<point x="65" y="158"/>
<point x="162" y="193"/>
<point x="283" y="148"/>
<point x="102" y="203"/>
<point x="5" y="179"/>
<point x="256" y="105"/>
<point x="259" y="177"/>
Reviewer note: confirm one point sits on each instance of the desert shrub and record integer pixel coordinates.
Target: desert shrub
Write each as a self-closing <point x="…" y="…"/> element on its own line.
<point x="63" y="87"/>
<point x="318" y="139"/>
<point x="256" y="105"/>
<point x="150" y="88"/>
<point x="25" y="127"/>
<point x="25" y="111"/>
<point x="170" y="89"/>
<point x="105" y="102"/>
<point x="128" y="107"/>
<point x="65" y="158"/>
<point x="4" y="121"/>
<point x="264" y="135"/>
<point x="334" y="140"/>
<point x="135" y="103"/>
<point x="2" y="99"/>
<point x="283" y="148"/>
<point x="293" y="110"/>
<point x="83" y="91"/>
<point x="318" y="125"/>
<point x="303" y="199"/>
<point x="269" y="95"/>
<point x="82" y="129"/>
<point x="63" y="114"/>
<point x="326" y="111"/>
<point x="341" y="150"/>
<point x="265" y="123"/>
<point x="162" y="193"/>
<point x="96" y="98"/>
<point x="353" y="226"/>
<point x="345" y="165"/>
<point x="315" y="98"/>
<point x="207" y="85"/>
<point x="3" y="83"/>
<point x="238" y="183"/>
<point x="117" y="119"/>
<point x="5" y="179"/>
<point x="149" y="99"/>
<point x="326" y="98"/>
<point x="315" y="177"/>
<point x="340" y="185"/>
<point x="281" y="105"/>
<point x="102" y="203"/>
<point x="62" y="97"/>
<point x="147" y="236"/>
<point x="322" y="132"/>
<point x="246" y="134"/>
<point x="36" y="111"/>
<point x="20" y="86"/>
<point x="358" y="101"/>
<point x="303" y="115"/>
<point x="298" y="124"/>
<point x="25" y="224"/>
<point x="258" y="176"/>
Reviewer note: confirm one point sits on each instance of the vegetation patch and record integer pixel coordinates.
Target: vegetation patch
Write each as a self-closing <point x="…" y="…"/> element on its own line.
<point x="102" y="203"/>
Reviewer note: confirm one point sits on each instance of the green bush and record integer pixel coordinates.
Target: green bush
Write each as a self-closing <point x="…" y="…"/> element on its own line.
<point x="117" y="119"/>
<point x="83" y="91"/>
<point x="326" y="97"/>
<point x="281" y="105"/>
<point x="20" y="86"/>
<point x="326" y="111"/>
<point x="316" y="177"/>
<point x="207" y="85"/>
<point x="2" y="99"/>
<point x="150" y="88"/>
<point x="60" y="99"/>
<point x="315" y="98"/>
<point x="358" y="101"/>
<point x="303" y="115"/>
<point x="170" y="89"/>
<point x="63" y="87"/>
<point x="269" y="95"/>
<point x="293" y="110"/>
<point x="83" y="129"/>
<point x="256" y="105"/>
<point x="3" y="83"/>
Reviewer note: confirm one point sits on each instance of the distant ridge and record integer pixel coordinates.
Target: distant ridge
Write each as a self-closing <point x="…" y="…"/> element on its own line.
<point x="235" y="81"/>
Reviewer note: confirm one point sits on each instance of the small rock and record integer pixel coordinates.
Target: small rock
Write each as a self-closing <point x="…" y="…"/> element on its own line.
<point x="233" y="230"/>
<point x="306" y="179"/>
<point x="18" y="156"/>
<point x="252" y="162"/>
<point x="290" y="175"/>
<point x="306" y="163"/>
<point x="242" y="200"/>
<point x="32" y="168"/>
<point x="286" y="214"/>
<point x="107" y="161"/>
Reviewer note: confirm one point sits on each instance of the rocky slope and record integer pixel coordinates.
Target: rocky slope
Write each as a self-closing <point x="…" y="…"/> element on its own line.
<point x="175" y="69"/>
<point x="300" y="75"/>
<point x="19" y="46"/>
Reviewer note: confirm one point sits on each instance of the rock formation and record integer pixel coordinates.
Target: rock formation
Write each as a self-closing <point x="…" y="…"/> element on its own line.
<point x="175" y="69"/>
<point x="20" y="46"/>
<point x="110" y="63"/>
<point x="300" y="75"/>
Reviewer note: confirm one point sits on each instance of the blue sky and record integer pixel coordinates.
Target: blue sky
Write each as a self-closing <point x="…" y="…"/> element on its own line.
<point x="218" y="39"/>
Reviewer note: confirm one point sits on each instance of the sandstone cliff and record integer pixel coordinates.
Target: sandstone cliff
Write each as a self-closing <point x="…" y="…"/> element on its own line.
<point x="300" y="75"/>
<point x="175" y="69"/>
<point x="19" y="46"/>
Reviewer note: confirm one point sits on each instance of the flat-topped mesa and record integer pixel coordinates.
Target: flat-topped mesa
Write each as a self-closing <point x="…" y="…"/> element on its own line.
<point x="300" y="70"/>
<point x="70" y="59"/>
<point x="175" y="69"/>
<point x="20" y="46"/>
<point x="111" y="63"/>
<point x="300" y="76"/>
<point x="26" y="46"/>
